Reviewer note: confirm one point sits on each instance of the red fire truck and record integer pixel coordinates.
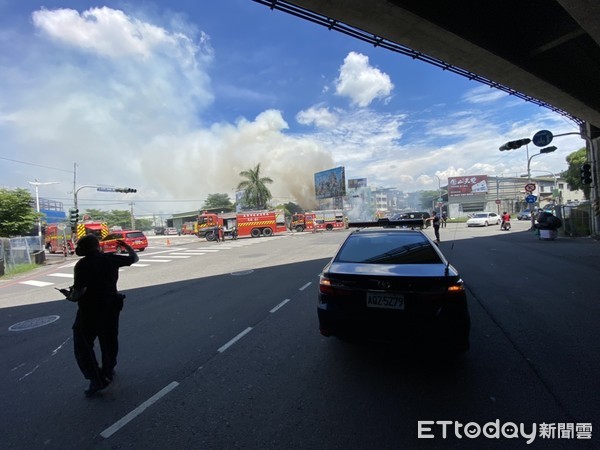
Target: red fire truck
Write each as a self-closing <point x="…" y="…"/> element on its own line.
<point x="189" y="228"/>
<point x="95" y="227"/>
<point x="59" y="239"/>
<point x="328" y="220"/>
<point x="243" y="224"/>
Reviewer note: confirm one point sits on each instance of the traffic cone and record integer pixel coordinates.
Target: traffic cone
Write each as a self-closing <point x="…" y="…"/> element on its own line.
<point x="168" y="242"/>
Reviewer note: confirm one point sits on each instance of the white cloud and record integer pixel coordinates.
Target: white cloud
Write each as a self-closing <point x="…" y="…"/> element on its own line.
<point x="319" y="117"/>
<point x="362" y="83"/>
<point x="111" y="33"/>
<point x="484" y="94"/>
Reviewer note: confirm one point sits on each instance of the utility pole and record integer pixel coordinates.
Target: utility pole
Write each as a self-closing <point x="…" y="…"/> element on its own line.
<point x="132" y="218"/>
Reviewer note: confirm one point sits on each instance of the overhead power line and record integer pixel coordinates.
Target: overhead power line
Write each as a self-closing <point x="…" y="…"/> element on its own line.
<point x="36" y="165"/>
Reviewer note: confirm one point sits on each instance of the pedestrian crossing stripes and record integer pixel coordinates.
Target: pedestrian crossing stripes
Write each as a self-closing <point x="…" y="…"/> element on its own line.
<point x="159" y="255"/>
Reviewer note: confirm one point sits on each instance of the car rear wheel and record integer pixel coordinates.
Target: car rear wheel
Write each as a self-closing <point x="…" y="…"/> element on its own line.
<point x="267" y="232"/>
<point x="255" y="232"/>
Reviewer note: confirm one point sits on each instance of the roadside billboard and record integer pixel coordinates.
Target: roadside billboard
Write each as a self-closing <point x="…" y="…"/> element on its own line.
<point x="355" y="183"/>
<point x="330" y="183"/>
<point x="467" y="186"/>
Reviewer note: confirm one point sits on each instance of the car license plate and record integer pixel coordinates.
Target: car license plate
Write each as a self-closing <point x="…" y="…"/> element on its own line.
<point x="386" y="301"/>
<point x="137" y="242"/>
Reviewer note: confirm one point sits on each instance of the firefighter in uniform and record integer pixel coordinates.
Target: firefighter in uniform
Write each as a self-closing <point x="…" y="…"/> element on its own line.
<point x="99" y="305"/>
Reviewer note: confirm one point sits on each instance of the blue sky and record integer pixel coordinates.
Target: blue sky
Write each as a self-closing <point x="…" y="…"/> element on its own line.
<point x="176" y="101"/>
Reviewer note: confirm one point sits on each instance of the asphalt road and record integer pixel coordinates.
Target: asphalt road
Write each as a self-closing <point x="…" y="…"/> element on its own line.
<point x="220" y="349"/>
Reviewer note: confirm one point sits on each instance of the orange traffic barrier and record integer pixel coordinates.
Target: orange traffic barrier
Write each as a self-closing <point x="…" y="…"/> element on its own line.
<point x="168" y="242"/>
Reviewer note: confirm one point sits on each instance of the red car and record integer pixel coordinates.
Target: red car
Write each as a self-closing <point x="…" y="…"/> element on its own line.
<point x="134" y="238"/>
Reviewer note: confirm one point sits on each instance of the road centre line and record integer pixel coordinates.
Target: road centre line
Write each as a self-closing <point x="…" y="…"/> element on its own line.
<point x="280" y="305"/>
<point x="234" y="340"/>
<point x="305" y="286"/>
<point x="137" y="411"/>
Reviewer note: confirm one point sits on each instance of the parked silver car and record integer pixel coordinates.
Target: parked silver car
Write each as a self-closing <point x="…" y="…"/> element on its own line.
<point x="524" y="215"/>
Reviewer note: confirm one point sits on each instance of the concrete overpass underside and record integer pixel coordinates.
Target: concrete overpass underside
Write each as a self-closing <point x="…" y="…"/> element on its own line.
<point x="543" y="51"/>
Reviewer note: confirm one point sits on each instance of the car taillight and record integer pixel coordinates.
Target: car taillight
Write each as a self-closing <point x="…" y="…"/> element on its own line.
<point x="459" y="286"/>
<point x="328" y="286"/>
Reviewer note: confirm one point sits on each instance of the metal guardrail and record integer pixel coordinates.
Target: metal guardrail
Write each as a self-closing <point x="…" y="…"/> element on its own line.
<point x="20" y="250"/>
<point x="576" y="220"/>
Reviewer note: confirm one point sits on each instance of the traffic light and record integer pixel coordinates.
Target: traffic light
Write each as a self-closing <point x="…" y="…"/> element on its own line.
<point x="512" y="145"/>
<point x="586" y="174"/>
<point x="548" y="149"/>
<point x="126" y="190"/>
<point x="73" y="216"/>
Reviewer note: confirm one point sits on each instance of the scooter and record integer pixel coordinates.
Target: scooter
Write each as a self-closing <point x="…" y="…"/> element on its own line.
<point x="505" y="226"/>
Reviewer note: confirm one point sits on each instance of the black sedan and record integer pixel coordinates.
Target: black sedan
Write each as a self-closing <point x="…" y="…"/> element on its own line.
<point x="394" y="285"/>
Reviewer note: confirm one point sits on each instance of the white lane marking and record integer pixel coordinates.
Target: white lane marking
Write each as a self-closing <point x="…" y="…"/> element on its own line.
<point x="183" y="255"/>
<point x="234" y="340"/>
<point x="36" y="283"/>
<point x="305" y="286"/>
<point x="174" y="256"/>
<point x="280" y="305"/>
<point x="191" y="252"/>
<point x="204" y="249"/>
<point x="163" y="251"/>
<point x="62" y="275"/>
<point x="155" y="260"/>
<point x="139" y="265"/>
<point x="137" y="411"/>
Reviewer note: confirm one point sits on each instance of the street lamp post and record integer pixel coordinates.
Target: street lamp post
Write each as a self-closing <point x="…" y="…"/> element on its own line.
<point x="36" y="184"/>
<point x="439" y="195"/>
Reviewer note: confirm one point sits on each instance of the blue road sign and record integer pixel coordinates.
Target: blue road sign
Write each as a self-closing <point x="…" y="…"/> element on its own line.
<point x="542" y="138"/>
<point x="531" y="198"/>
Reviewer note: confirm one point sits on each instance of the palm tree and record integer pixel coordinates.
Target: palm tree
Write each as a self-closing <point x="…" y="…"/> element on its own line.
<point x="256" y="193"/>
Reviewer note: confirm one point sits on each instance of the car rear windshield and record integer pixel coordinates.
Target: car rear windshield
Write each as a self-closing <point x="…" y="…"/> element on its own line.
<point x="393" y="248"/>
<point x="135" y="235"/>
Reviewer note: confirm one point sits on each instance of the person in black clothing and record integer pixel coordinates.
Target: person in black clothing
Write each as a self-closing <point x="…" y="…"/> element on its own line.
<point x="99" y="305"/>
<point x="435" y="220"/>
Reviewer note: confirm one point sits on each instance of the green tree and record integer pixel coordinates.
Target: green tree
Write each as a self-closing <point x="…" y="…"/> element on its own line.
<point x="572" y="174"/>
<point x="217" y="201"/>
<point x="119" y="218"/>
<point x="143" y="224"/>
<point x="256" y="193"/>
<point x="17" y="217"/>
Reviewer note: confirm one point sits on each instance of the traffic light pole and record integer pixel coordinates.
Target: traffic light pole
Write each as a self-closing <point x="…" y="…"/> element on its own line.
<point x="101" y="188"/>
